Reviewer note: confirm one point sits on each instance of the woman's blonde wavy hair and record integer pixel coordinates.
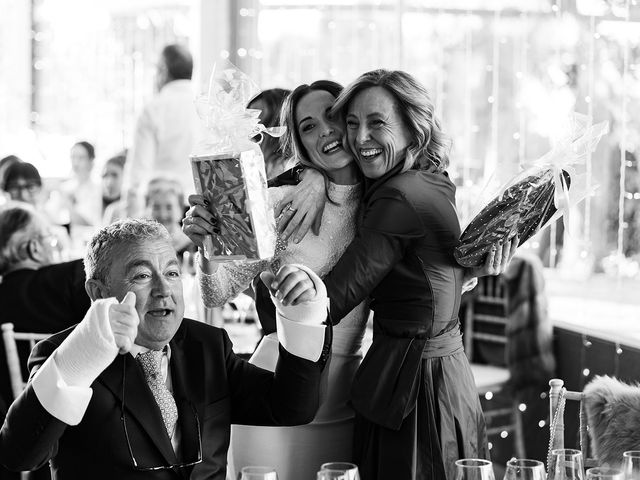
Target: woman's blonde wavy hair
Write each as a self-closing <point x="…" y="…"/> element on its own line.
<point x="430" y="147"/>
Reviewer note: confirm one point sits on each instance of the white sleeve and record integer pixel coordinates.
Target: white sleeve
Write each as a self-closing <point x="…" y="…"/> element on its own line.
<point x="63" y="382"/>
<point x="300" y="327"/>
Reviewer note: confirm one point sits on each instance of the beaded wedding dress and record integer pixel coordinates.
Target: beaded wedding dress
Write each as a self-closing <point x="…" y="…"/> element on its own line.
<point x="297" y="452"/>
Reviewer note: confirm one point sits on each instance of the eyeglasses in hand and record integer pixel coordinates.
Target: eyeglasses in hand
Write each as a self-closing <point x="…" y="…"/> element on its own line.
<point x="134" y="461"/>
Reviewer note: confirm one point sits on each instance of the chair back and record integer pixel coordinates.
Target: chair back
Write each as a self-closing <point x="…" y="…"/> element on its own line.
<point x="10" y="338"/>
<point x="486" y="320"/>
<point x="558" y="396"/>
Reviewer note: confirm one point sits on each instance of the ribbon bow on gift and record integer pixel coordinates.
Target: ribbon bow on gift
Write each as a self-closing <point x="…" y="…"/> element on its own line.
<point x="569" y="155"/>
<point x="224" y="113"/>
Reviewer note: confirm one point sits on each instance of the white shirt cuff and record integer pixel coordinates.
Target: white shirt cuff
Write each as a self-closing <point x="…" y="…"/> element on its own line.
<point x="301" y="339"/>
<point x="66" y="403"/>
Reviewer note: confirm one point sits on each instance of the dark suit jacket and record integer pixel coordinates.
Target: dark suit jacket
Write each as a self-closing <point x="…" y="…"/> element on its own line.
<point x="46" y="300"/>
<point x="205" y="373"/>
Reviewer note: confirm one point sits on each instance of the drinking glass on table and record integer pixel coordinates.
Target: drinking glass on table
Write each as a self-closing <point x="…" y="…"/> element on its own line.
<point x="350" y="470"/>
<point x="566" y="464"/>
<point x="631" y="465"/>
<point x="474" y="469"/>
<point x="524" y="469"/>
<point x="326" y="474"/>
<point x="258" y="473"/>
<point x="604" y="473"/>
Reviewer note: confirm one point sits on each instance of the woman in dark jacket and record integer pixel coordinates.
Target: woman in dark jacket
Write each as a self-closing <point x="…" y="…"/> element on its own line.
<point x="417" y="409"/>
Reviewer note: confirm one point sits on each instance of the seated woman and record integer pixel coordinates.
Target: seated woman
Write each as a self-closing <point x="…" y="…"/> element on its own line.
<point x="164" y="202"/>
<point x="36" y="294"/>
<point x="82" y="192"/>
<point x="23" y="183"/>
<point x="316" y="140"/>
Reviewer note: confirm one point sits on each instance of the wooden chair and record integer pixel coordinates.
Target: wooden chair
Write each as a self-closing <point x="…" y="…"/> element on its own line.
<point x="558" y="395"/>
<point x="485" y="326"/>
<point x="18" y="383"/>
<point x="10" y="337"/>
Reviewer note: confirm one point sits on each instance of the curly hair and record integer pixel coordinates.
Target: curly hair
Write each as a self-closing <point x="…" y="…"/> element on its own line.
<point x="102" y="246"/>
<point x="430" y="147"/>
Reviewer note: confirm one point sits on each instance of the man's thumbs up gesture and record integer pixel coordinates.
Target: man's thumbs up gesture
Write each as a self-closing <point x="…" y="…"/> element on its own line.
<point x="124" y="320"/>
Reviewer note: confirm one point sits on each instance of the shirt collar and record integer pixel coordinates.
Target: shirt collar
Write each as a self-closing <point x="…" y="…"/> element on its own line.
<point x="138" y="349"/>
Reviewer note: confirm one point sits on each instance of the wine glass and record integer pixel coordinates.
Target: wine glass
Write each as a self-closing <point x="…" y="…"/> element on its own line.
<point x="566" y="464"/>
<point x="474" y="469"/>
<point x="604" y="473"/>
<point x="524" y="469"/>
<point x="258" y="473"/>
<point x="350" y="470"/>
<point x="631" y="465"/>
<point x="327" y="474"/>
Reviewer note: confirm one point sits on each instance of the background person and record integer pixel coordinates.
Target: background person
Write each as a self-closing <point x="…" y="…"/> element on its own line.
<point x="5" y="163"/>
<point x="81" y="190"/>
<point x="113" y="206"/>
<point x="164" y="202"/>
<point x="36" y="293"/>
<point x="166" y="131"/>
<point x="270" y="102"/>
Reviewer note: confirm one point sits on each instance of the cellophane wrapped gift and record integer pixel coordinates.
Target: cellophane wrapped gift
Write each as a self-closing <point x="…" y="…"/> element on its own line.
<point x="541" y="193"/>
<point x="228" y="169"/>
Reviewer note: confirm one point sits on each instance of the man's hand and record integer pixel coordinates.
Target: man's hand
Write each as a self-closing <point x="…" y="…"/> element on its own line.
<point x="124" y="320"/>
<point x="291" y="285"/>
<point x="303" y="207"/>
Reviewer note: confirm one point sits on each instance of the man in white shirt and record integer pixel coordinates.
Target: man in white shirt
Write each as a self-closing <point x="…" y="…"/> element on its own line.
<point x="93" y="409"/>
<point x="166" y="131"/>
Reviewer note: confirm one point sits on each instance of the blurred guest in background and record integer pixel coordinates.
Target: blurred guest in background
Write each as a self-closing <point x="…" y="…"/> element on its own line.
<point x="113" y="207"/>
<point x="269" y="102"/>
<point x="166" y="131"/>
<point x="82" y="192"/>
<point x="22" y="183"/>
<point x="165" y="203"/>
<point x="5" y="163"/>
<point x="36" y="294"/>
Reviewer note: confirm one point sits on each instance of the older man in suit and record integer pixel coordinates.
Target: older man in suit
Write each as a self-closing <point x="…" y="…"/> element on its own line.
<point x="136" y="391"/>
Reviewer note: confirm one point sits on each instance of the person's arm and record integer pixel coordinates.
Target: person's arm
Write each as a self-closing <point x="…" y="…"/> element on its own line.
<point x="290" y="396"/>
<point x="389" y="225"/>
<point x="288" y="177"/>
<point x="301" y="208"/>
<point x="224" y="281"/>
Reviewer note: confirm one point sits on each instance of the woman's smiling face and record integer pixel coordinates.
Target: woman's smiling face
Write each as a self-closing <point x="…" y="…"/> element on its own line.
<point x="320" y="135"/>
<point x="376" y="131"/>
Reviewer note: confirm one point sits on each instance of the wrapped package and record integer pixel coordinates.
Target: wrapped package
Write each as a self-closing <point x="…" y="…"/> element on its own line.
<point x="535" y="197"/>
<point x="229" y="172"/>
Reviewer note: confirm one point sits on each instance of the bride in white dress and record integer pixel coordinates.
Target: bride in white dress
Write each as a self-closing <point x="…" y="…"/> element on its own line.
<point x="315" y="140"/>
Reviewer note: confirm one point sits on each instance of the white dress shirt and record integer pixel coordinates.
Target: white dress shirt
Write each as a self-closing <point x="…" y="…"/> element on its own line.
<point x="166" y="133"/>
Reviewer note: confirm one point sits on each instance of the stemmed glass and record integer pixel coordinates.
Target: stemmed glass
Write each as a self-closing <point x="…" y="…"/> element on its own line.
<point x="350" y="470"/>
<point x="603" y="473"/>
<point x="474" y="469"/>
<point x="631" y="465"/>
<point x="566" y="464"/>
<point x="524" y="469"/>
<point x="326" y="474"/>
<point x="258" y="473"/>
